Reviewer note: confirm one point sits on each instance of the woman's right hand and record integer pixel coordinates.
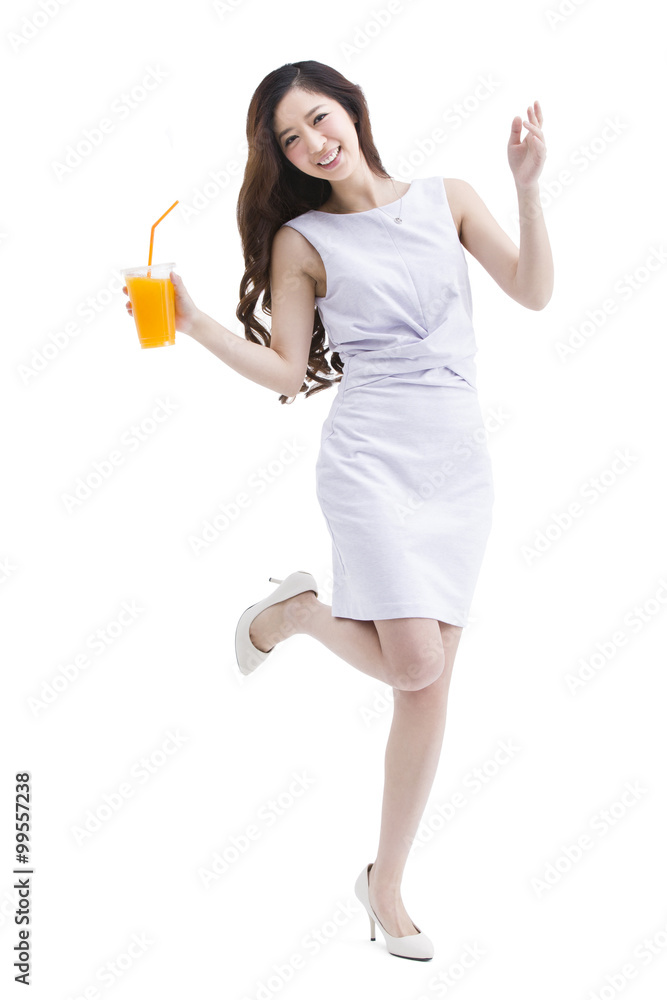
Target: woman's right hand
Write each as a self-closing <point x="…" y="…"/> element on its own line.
<point x="186" y="311"/>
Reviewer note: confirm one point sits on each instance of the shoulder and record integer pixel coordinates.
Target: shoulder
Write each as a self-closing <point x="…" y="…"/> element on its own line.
<point x="289" y="242"/>
<point x="460" y="196"/>
<point x="291" y="249"/>
<point x="290" y="234"/>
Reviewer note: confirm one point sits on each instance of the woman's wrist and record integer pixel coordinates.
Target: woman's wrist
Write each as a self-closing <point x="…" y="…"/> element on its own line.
<point x="195" y="325"/>
<point x="532" y="188"/>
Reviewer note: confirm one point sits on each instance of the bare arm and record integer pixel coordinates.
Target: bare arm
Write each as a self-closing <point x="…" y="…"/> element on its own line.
<point x="534" y="278"/>
<point x="282" y="366"/>
<point x="525" y="273"/>
<point x="257" y="362"/>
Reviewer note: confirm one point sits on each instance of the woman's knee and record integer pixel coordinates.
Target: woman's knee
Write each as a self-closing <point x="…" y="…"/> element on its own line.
<point x="414" y="651"/>
<point x="422" y="669"/>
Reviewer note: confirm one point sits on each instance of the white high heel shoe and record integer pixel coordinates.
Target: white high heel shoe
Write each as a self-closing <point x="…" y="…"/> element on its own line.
<point x="249" y="656"/>
<point x="416" y="946"/>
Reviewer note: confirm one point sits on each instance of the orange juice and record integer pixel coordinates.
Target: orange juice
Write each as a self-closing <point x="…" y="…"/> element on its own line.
<point x="152" y="301"/>
<point x="153" y="309"/>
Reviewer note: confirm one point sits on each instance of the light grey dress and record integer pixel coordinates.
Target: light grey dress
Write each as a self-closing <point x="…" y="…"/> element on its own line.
<point x="403" y="475"/>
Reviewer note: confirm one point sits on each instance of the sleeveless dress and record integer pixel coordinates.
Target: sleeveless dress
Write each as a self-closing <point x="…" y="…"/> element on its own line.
<point x="403" y="475"/>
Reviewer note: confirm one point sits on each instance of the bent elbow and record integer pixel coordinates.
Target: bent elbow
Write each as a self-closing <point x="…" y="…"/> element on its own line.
<point x="294" y="390"/>
<point x="538" y="303"/>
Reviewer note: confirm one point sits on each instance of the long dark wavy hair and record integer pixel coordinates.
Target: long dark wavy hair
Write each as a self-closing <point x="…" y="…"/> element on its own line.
<point x="274" y="191"/>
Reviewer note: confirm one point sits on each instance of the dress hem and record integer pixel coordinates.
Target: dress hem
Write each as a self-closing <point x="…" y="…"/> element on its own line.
<point x="390" y="611"/>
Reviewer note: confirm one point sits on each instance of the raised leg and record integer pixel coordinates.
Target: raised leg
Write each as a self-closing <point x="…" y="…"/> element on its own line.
<point x="409" y="658"/>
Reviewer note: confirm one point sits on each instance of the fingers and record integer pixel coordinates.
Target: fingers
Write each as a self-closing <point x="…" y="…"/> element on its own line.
<point x="535" y="119"/>
<point x="537" y="132"/>
<point x="533" y="123"/>
<point x="533" y="128"/>
<point x="535" y="113"/>
<point x="515" y="131"/>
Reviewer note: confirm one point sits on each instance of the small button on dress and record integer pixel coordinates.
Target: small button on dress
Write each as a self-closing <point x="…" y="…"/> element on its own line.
<point x="403" y="475"/>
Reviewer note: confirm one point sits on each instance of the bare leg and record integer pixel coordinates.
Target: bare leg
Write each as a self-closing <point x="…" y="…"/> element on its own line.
<point x="412" y="664"/>
<point x="411" y="760"/>
<point x="417" y="730"/>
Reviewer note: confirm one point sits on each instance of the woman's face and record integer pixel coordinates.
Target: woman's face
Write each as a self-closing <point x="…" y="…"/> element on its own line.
<point x="312" y="126"/>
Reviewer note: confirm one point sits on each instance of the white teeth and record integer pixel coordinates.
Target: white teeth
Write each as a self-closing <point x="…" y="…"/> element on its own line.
<point x="333" y="155"/>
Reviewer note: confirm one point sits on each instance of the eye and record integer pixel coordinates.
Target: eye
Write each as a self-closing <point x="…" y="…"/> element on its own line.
<point x="322" y="114"/>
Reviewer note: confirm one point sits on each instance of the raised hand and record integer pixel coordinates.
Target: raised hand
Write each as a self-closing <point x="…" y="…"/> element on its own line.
<point x="526" y="158"/>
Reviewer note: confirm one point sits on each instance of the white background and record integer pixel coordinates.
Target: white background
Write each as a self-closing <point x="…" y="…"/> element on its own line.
<point x="67" y="573"/>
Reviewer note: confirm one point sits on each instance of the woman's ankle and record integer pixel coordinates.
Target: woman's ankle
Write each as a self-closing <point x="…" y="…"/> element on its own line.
<point x="299" y="610"/>
<point x="387" y="885"/>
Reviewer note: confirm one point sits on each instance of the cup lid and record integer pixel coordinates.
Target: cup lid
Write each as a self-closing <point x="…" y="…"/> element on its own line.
<point x="144" y="267"/>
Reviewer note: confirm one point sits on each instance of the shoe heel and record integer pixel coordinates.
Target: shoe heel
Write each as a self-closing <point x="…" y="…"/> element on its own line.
<point x="273" y="579"/>
<point x="372" y="927"/>
<point x="248" y="656"/>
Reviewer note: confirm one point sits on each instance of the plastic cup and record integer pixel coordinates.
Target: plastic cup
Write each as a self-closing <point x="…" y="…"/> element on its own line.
<point x="152" y="303"/>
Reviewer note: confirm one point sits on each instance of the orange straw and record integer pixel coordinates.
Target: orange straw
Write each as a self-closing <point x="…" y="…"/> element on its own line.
<point x="150" y="249"/>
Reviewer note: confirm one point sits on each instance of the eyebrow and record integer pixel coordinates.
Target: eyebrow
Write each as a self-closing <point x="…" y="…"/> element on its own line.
<point x="311" y="112"/>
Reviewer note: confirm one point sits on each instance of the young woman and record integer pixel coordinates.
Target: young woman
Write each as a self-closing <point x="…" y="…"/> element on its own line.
<point x="404" y="478"/>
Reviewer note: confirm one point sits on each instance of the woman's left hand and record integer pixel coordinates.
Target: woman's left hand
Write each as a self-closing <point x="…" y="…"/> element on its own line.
<point x="527" y="158"/>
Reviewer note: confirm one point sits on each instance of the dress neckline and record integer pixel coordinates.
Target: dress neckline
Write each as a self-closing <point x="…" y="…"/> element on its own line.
<point x="366" y="211"/>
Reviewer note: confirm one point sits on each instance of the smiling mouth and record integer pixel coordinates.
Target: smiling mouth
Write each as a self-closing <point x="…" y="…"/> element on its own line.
<point x="330" y="158"/>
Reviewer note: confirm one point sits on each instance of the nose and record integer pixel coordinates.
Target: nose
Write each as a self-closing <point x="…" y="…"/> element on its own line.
<point x="315" y="148"/>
